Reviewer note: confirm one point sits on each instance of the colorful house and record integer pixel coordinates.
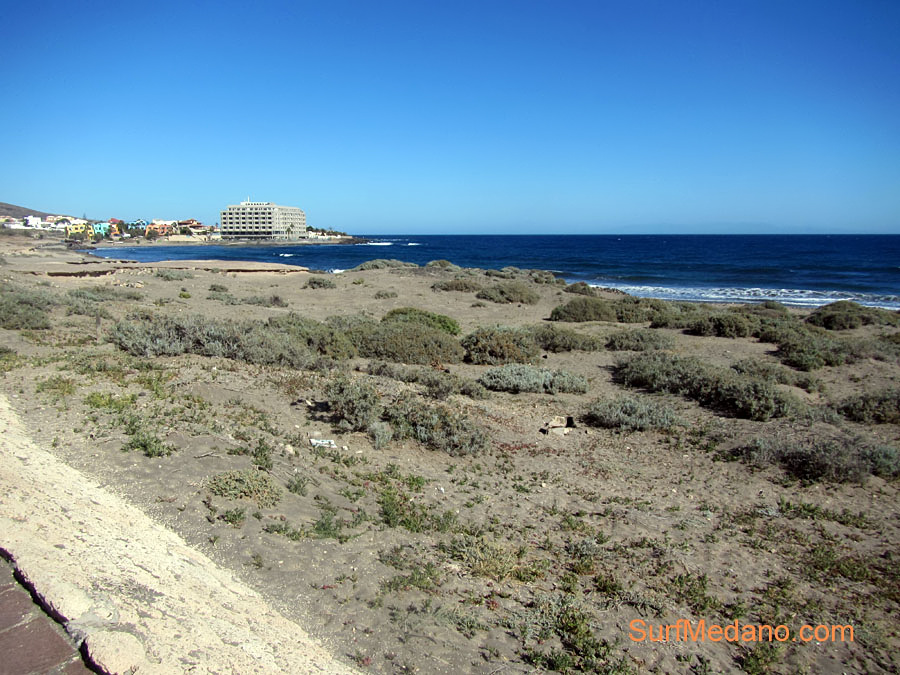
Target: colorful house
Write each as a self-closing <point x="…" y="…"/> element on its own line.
<point x="76" y="228"/>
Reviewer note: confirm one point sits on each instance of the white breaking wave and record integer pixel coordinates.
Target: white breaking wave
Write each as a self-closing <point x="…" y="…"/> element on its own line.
<point x="413" y="243"/>
<point x="379" y="243"/>
<point x="286" y="255"/>
<point x="787" y="296"/>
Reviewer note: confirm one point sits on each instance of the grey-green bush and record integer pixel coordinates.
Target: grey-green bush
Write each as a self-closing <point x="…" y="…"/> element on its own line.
<point x="639" y="340"/>
<point x="436" y="427"/>
<point x="509" y="292"/>
<point x="496" y="346"/>
<point x="407" y="342"/>
<point x="516" y="377"/>
<point x="439" y="322"/>
<point x="354" y="404"/>
<point x="320" y="282"/>
<point x="628" y="413"/>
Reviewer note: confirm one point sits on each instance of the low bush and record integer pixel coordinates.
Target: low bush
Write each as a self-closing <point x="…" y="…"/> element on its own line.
<point x="385" y="295"/>
<point x="221" y="296"/>
<point x="462" y="285"/>
<point x="836" y="459"/>
<point x="639" y="340"/>
<point x="623" y="310"/>
<point x="250" y="484"/>
<point x="560" y="339"/>
<point x="630" y="414"/>
<point x="320" y="282"/>
<point x="354" y="404"/>
<point x="253" y="342"/>
<point x="581" y="288"/>
<point x="148" y="444"/>
<point x="727" y="325"/>
<point x="407" y="342"/>
<point x="445" y="265"/>
<point x="496" y="346"/>
<point x="844" y="315"/>
<point x="718" y="388"/>
<point x="776" y="373"/>
<point x="516" y="377"/>
<point x="105" y="293"/>
<point x="218" y="288"/>
<point x="273" y="300"/>
<point x="880" y="407"/>
<point x="82" y="307"/>
<point x="439" y="322"/>
<point x="173" y="275"/>
<point x="436" y="427"/>
<point x="24" y="308"/>
<point x="509" y="292"/>
<point x="382" y="263"/>
<point x="438" y="385"/>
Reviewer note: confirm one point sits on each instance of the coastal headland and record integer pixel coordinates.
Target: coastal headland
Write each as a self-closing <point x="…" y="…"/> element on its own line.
<point x="439" y="470"/>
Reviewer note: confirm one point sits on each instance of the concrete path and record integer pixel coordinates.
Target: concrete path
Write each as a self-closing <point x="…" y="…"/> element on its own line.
<point x="139" y="598"/>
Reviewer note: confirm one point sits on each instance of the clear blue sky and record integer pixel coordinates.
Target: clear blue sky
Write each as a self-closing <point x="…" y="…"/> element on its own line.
<point x="440" y="117"/>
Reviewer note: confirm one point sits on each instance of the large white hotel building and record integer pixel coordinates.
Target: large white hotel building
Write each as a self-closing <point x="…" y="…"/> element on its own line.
<point x="263" y="220"/>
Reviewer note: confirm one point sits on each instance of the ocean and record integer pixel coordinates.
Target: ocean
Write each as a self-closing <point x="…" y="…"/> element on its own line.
<point x="799" y="270"/>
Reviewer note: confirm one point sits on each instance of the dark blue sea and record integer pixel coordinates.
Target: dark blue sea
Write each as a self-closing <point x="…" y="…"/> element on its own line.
<point x="802" y="270"/>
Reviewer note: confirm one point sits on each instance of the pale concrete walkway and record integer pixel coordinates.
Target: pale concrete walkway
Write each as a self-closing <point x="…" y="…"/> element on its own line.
<point x="135" y="592"/>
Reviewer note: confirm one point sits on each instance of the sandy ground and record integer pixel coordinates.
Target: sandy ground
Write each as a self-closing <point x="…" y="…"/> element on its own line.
<point x="544" y="544"/>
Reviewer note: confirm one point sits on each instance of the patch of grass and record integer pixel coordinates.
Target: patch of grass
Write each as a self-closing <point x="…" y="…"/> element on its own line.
<point x="251" y="484"/>
<point x="105" y="294"/>
<point x="425" y="578"/>
<point x="111" y="402"/>
<point x="57" y="386"/>
<point x="517" y="377"/>
<point x="691" y="589"/>
<point x="510" y="292"/>
<point x="398" y="509"/>
<point x="499" y="345"/>
<point x="234" y="517"/>
<point x="297" y="484"/>
<point x="483" y="557"/>
<point x="814" y="512"/>
<point x="385" y="295"/>
<point x="439" y="322"/>
<point x="173" y="275"/>
<point x="148" y="444"/>
<point x="630" y="414"/>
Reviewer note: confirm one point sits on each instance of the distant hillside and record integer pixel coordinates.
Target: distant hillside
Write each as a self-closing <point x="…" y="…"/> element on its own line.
<point x="19" y="212"/>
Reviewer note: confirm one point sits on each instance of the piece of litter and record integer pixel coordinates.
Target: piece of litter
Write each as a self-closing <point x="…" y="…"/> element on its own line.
<point x="322" y="443"/>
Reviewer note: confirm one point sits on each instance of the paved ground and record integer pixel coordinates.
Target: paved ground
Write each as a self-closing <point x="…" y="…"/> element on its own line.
<point x="30" y="641"/>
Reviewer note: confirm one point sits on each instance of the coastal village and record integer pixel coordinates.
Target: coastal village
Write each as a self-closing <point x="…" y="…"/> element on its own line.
<point x="245" y="221"/>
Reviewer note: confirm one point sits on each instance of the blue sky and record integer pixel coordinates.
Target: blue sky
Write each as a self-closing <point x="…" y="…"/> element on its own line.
<point x="475" y="117"/>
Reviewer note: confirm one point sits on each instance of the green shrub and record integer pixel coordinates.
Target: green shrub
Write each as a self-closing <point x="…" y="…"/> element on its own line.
<point x="320" y="282"/>
<point x="462" y="285"/>
<point x="516" y="378"/>
<point x="776" y="373"/>
<point x="407" y="342"/>
<point x="354" y="404"/>
<point x="250" y="484"/>
<point x="639" y="340"/>
<point x="148" y="444"/>
<point x="226" y="298"/>
<point x="881" y="407"/>
<point x="322" y="338"/>
<point x="438" y="385"/>
<point x="581" y="288"/>
<point x="105" y="293"/>
<point x="253" y="342"/>
<point x="436" y="427"/>
<point x="111" y="402"/>
<point x="24" y="308"/>
<point x="356" y="328"/>
<point x="218" y="288"/>
<point x="728" y="325"/>
<point x="496" y="346"/>
<point x="82" y="307"/>
<point x="844" y="315"/>
<point x="584" y="309"/>
<point x="173" y="275"/>
<point x="719" y="388"/>
<point x="629" y="413"/>
<point x="382" y="263"/>
<point x="509" y="293"/>
<point x="439" y="322"/>
<point x="836" y="459"/>
<point x="560" y="339"/>
<point x="445" y="265"/>
<point x="385" y="295"/>
<point x="273" y="300"/>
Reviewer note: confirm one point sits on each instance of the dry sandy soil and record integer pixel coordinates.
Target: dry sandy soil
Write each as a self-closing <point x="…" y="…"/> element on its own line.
<point x="538" y="552"/>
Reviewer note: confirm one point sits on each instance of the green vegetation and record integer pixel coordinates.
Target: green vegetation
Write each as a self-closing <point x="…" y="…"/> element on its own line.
<point x="517" y="377"/>
<point x="355" y="404"/>
<point x="461" y="285"/>
<point x="630" y="414"/>
<point x="720" y="388"/>
<point x="436" y="427"/>
<point x="148" y="444"/>
<point x="639" y="340"/>
<point x="439" y="322"/>
<point x="581" y="288"/>
<point x="510" y="292"/>
<point x="844" y="315"/>
<point x="623" y="310"/>
<point x="273" y="300"/>
<point x="174" y="275"/>
<point x="320" y="282"/>
<point x="382" y="263"/>
<point x="557" y="339"/>
<point x="879" y="407"/>
<point x="251" y="484"/>
<point x="496" y="346"/>
<point x="410" y="342"/>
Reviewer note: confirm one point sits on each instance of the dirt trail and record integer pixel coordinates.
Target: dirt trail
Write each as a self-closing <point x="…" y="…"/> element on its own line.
<point x="139" y="596"/>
